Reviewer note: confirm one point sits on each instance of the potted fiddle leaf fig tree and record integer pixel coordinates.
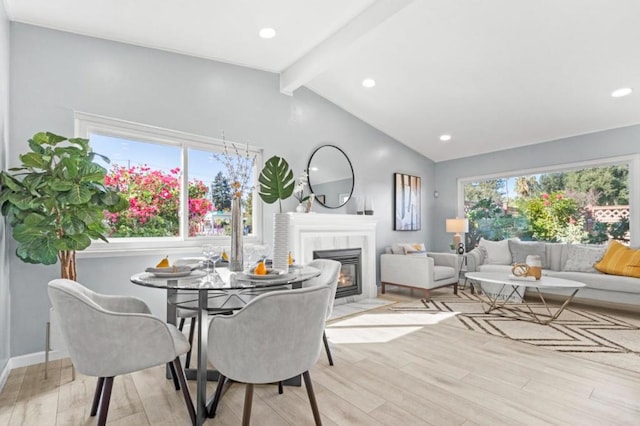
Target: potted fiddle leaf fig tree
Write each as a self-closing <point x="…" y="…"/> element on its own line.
<point x="55" y="201"/>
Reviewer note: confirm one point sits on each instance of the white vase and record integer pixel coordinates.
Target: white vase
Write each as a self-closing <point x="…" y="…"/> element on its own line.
<point x="359" y="205"/>
<point x="535" y="265"/>
<point x="281" y="241"/>
<point x="309" y="203"/>
<point x="301" y="208"/>
<point x="368" y="206"/>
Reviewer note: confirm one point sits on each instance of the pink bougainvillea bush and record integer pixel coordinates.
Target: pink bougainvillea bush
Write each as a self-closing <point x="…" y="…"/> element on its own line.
<point x="154" y="199"/>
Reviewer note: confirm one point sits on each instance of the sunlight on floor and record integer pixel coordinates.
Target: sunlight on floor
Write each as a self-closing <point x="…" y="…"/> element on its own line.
<point x="381" y="328"/>
<point x="394" y="319"/>
<point x="367" y="334"/>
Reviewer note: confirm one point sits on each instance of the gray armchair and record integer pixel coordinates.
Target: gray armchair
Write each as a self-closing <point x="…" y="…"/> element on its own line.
<point x="427" y="272"/>
<point x="275" y="337"/>
<point x="108" y="336"/>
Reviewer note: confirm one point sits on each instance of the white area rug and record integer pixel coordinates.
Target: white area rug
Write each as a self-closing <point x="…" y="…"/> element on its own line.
<point x="611" y="338"/>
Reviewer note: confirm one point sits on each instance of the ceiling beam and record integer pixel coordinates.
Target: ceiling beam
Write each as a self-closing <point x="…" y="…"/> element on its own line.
<point x="330" y="50"/>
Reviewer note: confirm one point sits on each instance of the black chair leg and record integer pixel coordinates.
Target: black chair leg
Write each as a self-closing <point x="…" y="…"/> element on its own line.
<point x="192" y="329"/>
<point x="181" y="326"/>
<point x="96" y="396"/>
<point x="216" y="398"/>
<point x="326" y="347"/>
<point x="248" y="401"/>
<point x="104" y="401"/>
<point x="185" y="390"/>
<point x="280" y="388"/>
<point x="176" y="382"/>
<point x="312" y="398"/>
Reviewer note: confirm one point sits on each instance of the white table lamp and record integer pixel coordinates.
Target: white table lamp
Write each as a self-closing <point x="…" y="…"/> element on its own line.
<point x="458" y="226"/>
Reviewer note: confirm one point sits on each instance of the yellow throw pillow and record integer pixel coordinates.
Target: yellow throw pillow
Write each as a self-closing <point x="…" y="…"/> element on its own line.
<point x="620" y="260"/>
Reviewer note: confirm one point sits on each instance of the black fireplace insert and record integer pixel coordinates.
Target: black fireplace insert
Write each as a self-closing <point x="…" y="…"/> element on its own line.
<point x="350" y="278"/>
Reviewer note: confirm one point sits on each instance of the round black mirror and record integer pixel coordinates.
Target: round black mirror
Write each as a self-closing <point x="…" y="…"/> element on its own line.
<point x="330" y="176"/>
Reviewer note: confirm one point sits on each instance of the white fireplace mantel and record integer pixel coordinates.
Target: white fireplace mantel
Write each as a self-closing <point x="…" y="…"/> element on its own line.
<point x="314" y="231"/>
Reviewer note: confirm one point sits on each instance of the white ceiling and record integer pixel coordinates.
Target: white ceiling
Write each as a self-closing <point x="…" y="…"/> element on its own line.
<point x="495" y="74"/>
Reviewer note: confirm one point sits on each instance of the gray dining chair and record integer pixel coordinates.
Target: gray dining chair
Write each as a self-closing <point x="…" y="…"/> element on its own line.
<point x="183" y="314"/>
<point x="275" y="337"/>
<point x="329" y="274"/>
<point x="107" y="336"/>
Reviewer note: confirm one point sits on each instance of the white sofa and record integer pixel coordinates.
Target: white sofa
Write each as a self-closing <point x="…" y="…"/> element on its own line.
<point x="423" y="270"/>
<point x="568" y="261"/>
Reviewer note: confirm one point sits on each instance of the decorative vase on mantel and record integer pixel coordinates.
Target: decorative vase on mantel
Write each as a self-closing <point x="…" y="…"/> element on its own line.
<point x="301" y="208"/>
<point x="309" y="203"/>
<point x="237" y="233"/>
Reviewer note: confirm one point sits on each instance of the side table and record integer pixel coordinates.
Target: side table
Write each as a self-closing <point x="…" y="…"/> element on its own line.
<point x="462" y="272"/>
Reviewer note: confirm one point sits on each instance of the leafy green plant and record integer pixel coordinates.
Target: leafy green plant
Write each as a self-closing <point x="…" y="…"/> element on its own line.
<point x="573" y="232"/>
<point x="619" y="230"/>
<point x="549" y="214"/>
<point x="56" y="201"/>
<point x="600" y="232"/>
<point x="276" y="181"/>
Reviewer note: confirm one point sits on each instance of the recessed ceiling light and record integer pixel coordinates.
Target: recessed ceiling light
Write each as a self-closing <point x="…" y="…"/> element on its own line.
<point x="445" y="138"/>
<point x="267" y="33"/>
<point x="314" y="169"/>
<point x="368" y="82"/>
<point x="624" y="91"/>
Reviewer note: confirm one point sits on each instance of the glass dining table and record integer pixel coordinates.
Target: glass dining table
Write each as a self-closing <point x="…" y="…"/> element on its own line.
<point x="221" y="292"/>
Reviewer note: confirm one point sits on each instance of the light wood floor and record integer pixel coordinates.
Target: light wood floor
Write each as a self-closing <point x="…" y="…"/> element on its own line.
<point x="433" y="375"/>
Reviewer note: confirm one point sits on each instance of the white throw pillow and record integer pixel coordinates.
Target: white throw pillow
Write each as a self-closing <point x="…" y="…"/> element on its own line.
<point x="498" y="252"/>
<point x="581" y="258"/>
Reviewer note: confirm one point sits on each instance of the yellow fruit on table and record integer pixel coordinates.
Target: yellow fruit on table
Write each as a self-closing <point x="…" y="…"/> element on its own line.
<point x="291" y="260"/>
<point x="260" y="269"/>
<point x="164" y="263"/>
<point x="225" y="256"/>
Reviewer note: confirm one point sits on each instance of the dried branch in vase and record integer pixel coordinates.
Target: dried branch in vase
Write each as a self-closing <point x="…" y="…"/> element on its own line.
<point x="239" y="167"/>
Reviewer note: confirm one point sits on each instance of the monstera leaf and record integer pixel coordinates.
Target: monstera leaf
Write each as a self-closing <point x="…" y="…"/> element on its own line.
<point x="276" y="181"/>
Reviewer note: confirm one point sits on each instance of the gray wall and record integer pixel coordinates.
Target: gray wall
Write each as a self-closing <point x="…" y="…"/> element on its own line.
<point x="4" y="136"/>
<point x="606" y="144"/>
<point x="55" y="73"/>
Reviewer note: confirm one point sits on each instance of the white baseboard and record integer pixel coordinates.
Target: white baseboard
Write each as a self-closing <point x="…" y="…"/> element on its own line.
<point x="27" y="360"/>
<point x="36" y="358"/>
<point x="4" y="375"/>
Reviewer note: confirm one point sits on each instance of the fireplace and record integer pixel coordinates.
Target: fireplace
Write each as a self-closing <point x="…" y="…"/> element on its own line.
<point x="326" y="232"/>
<point x="350" y="278"/>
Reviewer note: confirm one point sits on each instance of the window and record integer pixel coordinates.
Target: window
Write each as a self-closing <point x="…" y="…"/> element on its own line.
<point x="588" y="204"/>
<point x="176" y="184"/>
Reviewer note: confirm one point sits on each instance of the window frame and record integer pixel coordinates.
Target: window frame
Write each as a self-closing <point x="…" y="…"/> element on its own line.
<point x="86" y="124"/>
<point x="633" y="162"/>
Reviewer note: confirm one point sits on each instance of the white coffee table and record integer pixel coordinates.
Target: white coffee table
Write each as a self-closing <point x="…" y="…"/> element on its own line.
<point x="518" y="287"/>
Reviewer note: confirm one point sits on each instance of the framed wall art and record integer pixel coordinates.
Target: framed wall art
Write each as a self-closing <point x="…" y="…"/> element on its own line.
<point x="407" y="190"/>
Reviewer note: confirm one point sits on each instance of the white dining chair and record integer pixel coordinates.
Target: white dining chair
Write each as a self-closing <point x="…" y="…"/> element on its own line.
<point x="275" y="337"/>
<point x="107" y="336"/>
